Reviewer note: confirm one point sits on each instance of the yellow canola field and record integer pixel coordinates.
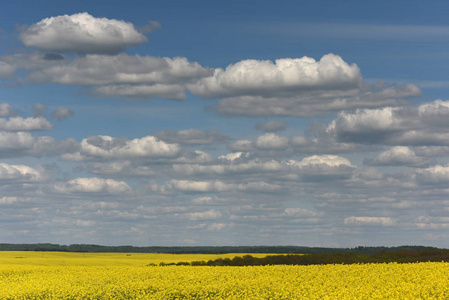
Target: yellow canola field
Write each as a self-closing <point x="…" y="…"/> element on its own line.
<point x="105" y="259"/>
<point x="364" y="281"/>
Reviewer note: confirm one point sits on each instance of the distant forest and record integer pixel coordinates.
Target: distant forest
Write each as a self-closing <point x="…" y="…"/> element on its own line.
<point x="401" y="256"/>
<point x="204" y="249"/>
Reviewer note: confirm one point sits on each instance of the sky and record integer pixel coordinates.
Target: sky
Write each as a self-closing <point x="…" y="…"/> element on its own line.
<point x="190" y="123"/>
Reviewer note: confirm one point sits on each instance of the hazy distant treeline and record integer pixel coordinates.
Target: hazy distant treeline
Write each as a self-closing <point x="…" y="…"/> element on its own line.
<point x="202" y="249"/>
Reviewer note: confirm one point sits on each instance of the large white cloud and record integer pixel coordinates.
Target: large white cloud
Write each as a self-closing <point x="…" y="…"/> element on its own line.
<point x="298" y="87"/>
<point x="284" y="76"/>
<point x="424" y="125"/>
<point x="81" y="33"/>
<point x="19" y="173"/>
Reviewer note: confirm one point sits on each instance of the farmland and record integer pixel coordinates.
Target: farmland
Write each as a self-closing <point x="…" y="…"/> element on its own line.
<point x="53" y="275"/>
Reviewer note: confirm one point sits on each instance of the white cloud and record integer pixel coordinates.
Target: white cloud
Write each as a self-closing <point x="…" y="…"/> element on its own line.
<point x="81" y="33"/>
<point x="435" y="174"/>
<point x="198" y="186"/>
<point x="107" y="147"/>
<point x="92" y="185"/>
<point x="328" y="160"/>
<point x="16" y="144"/>
<point x="299" y="212"/>
<point x="259" y="78"/>
<point x="16" y="140"/>
<point x="233" y="156"/>
<point x="271" y="141"/>
<point x="123" y="75"/>
<point x="25" y="124"/>
<point x="204" y="201"/>
<point x="190" y="186"/>
<point x="383" y="221"/>
<point x="425" y="125"/>
<point x="323" y="167"/>
<point x="300" y="87"/>
<point x="19" y="173"/>
<point x="398" y="156"/>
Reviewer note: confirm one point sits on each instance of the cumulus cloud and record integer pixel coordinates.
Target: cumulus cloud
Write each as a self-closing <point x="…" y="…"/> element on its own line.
<point x="425" y="125"/>
<point x="259" y="78"/>
<point x="434" y="175"/>
<point x="323" y="167"/>
<point x="81" y="33"/>
<point x="124" y="75"/>
<point x="271" y="141"/>
<point x="383" y="221"/>
<point x="298" y="87"/>
<point x="399" y="156"/>
<point x="106" y="147"/>
<point x="271" y="126"/>
<point x="92" y="185"/>
<point x="190" y="186"/>
<point x="15" y="144"/>
<point x="62" y="113"/>
<point x="193" y="137"/>
<point x="20" y="173"/>
<point x="317" y="160"/>
<point x="25" y="124"/>
<point x="233" y="156"/>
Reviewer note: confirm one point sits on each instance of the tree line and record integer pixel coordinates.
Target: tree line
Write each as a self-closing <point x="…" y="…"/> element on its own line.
<point x="200" y="249"/>
<point x="402" y="256"/>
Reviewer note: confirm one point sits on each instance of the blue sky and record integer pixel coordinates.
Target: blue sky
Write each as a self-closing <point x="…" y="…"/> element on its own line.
<point x="314" y="123"/>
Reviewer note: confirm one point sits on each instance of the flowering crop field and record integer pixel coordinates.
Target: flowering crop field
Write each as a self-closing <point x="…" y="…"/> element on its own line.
<point x="133" y="281"/>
